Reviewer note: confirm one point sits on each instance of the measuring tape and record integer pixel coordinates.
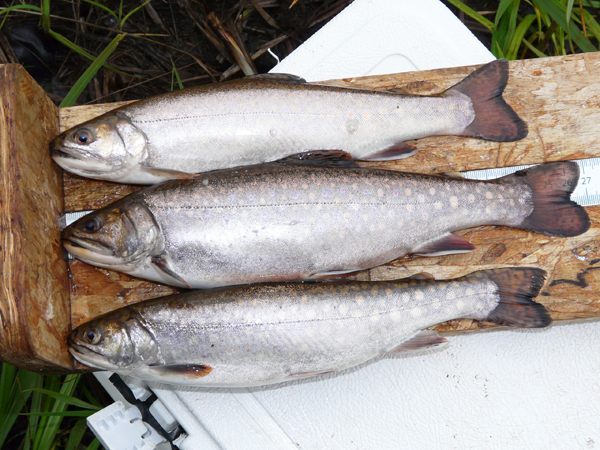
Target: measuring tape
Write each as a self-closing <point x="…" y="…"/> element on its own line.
<point x="587" y="192"/>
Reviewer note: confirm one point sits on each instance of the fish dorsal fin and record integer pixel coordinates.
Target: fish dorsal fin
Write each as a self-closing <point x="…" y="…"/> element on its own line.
<point x="183" y="371"/>
<point x="160" y="264"/>
<point x="321" y="158"/>
<point x="423" y="340"/>
<point x="422" y="276"/>
<point x="445" y="245"/>
<point x="398" y="150"/>
<point x="278" y="77"/>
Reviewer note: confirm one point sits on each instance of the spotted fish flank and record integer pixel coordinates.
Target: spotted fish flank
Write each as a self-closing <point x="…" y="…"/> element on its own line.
<point x="266" y="118"/>
<point x="269" y="333"/>
<point x="296" y="221"/>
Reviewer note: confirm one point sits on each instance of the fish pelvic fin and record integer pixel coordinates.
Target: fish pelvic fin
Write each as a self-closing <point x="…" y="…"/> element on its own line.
<point x="494" y="119"/>
<point x="554" y="212"/>
<point x="517" y="286"/>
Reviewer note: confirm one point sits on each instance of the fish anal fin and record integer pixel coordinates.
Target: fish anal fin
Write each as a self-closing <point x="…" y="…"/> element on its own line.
<point x="424" y="340"/>
<point x="190" y="371"/>
<point x="321" y="158"/>
<point x="299" y="376"/>
<point x="162" y="266"/>
<point x="398" y="150"/>
<point x="448" y="244"/>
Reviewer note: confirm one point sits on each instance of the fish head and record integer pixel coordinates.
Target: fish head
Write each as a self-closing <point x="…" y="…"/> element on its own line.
<point x="121" y="236"/>
<point x="118" y="341"/>
<point x="108" y="147"/>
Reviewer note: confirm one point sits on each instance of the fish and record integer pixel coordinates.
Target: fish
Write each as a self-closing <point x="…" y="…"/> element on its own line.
<point x="311" y="219"/>
<point x="268" y="117"/>
<point x="263" y="334"/>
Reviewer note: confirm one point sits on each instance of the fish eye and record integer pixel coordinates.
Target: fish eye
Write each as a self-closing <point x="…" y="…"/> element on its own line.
<point x="92" y="224"/>
<point x="83" y="136"/>
<point x="92" y="335"/>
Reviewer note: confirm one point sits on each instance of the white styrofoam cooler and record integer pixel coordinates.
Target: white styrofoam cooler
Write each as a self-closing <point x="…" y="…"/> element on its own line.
<point x="535" y="389"/>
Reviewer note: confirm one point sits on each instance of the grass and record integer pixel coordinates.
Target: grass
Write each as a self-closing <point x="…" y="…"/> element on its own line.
<point x="108" y="51"/>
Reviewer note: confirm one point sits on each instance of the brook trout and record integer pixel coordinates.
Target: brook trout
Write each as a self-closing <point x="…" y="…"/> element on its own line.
<point x="268" y="117"/>
<point x="298" y="221"/>
<point x="269" y="333"/>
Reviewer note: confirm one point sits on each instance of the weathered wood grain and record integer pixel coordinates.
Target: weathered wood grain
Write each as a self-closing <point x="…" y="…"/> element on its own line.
<point x="34" y="293"/>
<point x="559" y="98"/>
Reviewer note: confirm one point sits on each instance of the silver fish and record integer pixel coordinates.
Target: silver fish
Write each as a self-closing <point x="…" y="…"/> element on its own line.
<point x="268" y="117"/>
<point x="269" y="333"/>
<point x="297" y="221"/>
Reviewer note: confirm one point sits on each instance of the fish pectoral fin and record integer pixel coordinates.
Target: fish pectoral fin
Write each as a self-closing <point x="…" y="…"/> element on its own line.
<point x="398" y="150"/>
<point x="279" y="77"/>
<point x="424" y="340"/>
<point x="448" y="244"/>
<point x="167" y="174"/>
<point x="160" y="264"/>
<point x="181" y="370"/>
<point x="299" y="376"/>
<point x="336" y="158"/>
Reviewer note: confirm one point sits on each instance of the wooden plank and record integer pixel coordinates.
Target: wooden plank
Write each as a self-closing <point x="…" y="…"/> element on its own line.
<point x="34" y="293"/>
<point x="558" y="97"/>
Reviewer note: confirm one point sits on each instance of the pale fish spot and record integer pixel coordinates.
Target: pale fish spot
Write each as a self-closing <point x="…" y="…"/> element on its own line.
<point x="471" y="198"/>
<point x="352" y="125"/>
<point x="395" y="316"/>
<point x="419" y="295"/>
<point x="360" y="299"/>
<point x="371" y="227"/>
<point x="346" y="216"/>
<point x="489" y="195"/>
<point x="381" y="226"/>
<point x="399" y="111"/>
<point x="522" y="201"/>
<point x="311" y="196"/>
<point x="407" y="191"/>
<point x="478" y="305"/>
<point x="391" y="213"/>
<point x="380" y="192"/>
<point x="388" y="292"/>
<point x="196" y="195"/>
<point x="405" y="297"/>
<point x="205" y="182"/>
<point x="451" y="295"/>
<point x="374" y="290"/>
<point x="431" y="191"/>
<point x="416" y="312"/>
<point x="310" y="314"/>
<point x="502" y="188"/>
<point x="319" y="207"/>
<point x="511" y="202"/>
<point x="305" y="186"/>
<point x="343" y="309"/>
<point x="488" y="210"/>
<point x="438" y="205"/>
<point x="469" y="291"/>
<point x="421" y="198"/>
<point x="410" y="208"/>
<point x="401" y="223"/>
<point x="304" y="299"/>
<point x="454" y="201"/>
<point x="460" y="304"/>
<point x="342" y="234"/>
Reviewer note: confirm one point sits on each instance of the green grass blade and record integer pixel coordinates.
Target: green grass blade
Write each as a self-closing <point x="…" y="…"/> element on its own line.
<point x="68" y="399"/>
<point x="76" y="435"/>
<point x="132" y="12"/>
<point x="54" y="417"/>
<point x="101" y="6"/>
<point x="557" y="12"/>
<point x="569" y="10"/>
<point x="7" y="380"/>
<point x="592" y="24"/>
<point x="59" y="415"/>
<point x="19" y="392"/>
<point x="175" y="74"/>
<point x="536" y="51"/>
<point x="32" y="424"/>
<point x="63" y="40"/>
<point x="95" y="445"/>
<point x="46" y="15"/>
<point x="87" y="76"/>
<point x="12" y="8"/>
<point x="472" y="14"/>
<point x="518" y="36"/>
<point x="502" y="7"/>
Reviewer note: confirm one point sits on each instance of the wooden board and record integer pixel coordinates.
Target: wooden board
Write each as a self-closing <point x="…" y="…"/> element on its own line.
<point x="559" y="98"/>
<point x="34" y="293"/>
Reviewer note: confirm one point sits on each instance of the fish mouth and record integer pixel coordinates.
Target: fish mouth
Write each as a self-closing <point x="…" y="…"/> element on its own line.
<point x="88" y="357"/>
<point x="91" y="251"/>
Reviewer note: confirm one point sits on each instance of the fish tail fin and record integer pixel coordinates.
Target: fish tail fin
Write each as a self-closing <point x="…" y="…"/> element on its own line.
<point x="554" y="213"/>
<point x="494" y="119"/>
<point x="517" y="286"/>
